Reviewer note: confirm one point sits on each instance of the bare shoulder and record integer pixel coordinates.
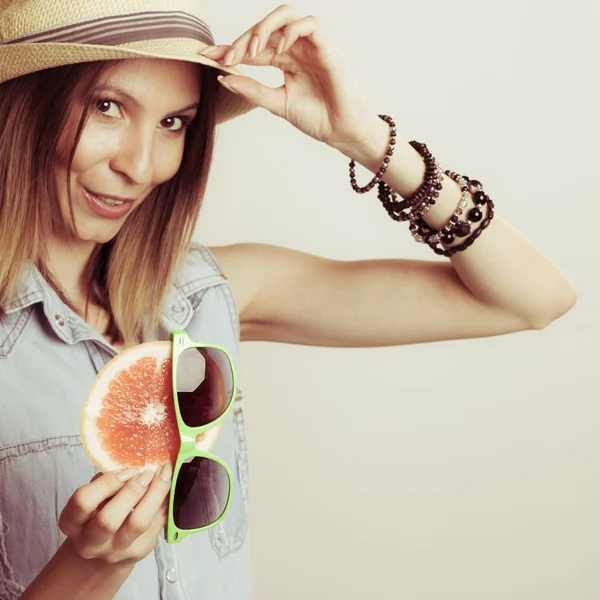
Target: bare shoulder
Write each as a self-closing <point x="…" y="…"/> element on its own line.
<point x="236" y="265"/>
<point x="253" y="268"/>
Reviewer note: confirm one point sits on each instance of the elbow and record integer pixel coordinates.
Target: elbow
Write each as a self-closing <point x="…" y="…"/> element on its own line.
<point x="560" y="304"/>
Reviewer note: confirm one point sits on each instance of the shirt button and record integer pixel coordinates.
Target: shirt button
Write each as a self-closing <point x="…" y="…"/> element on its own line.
<point x="59" y="320"/>
<point x="172" y="576"/>
<point x="178" y="308"/>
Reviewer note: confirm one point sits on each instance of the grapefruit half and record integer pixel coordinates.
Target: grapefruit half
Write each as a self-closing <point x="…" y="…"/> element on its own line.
<point x="128" y="417"/>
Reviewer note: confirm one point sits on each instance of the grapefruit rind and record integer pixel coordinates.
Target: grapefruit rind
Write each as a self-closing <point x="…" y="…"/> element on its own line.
<point x="93" y="405"/>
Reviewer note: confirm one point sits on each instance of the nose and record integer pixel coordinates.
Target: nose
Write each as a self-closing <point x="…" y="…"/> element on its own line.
<point x="134" y="155"/>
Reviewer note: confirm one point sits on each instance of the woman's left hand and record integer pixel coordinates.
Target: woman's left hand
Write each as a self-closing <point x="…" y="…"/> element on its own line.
<point x="320" y="96"/>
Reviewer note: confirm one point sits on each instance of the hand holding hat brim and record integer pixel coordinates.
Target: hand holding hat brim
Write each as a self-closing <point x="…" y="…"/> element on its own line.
<point x="320" y="96"/>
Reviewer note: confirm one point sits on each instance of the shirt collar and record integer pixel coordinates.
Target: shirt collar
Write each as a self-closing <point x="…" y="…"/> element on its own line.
<point x="33" y="288"/>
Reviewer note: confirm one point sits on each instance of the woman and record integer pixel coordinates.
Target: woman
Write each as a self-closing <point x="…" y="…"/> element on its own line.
<point x="108" y="131"/>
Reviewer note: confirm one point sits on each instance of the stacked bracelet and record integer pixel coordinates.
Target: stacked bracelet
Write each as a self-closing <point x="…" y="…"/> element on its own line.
<point x="423" y="199"/>
<point x="424" y="234"/>
<point x="414" y="208"/>
<point x="475" y="215"/>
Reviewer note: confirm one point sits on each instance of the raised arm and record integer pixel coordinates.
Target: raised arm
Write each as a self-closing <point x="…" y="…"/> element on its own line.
<point x="501" y="283"/>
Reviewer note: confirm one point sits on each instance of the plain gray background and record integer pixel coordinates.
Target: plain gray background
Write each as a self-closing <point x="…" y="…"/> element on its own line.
<point x="458" y="470"/>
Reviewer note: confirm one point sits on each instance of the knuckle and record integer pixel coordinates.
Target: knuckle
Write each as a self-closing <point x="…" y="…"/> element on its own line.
<point x="160" y="520"/>
<point x="65" y="525"/>
<point x="105" y="525"/>
<point x="83" y="550"/>
<point x="261" y="30"/>
<point x="87" y="553"/>
<point x="114" y="559"/>
<point x="139" y="524"/>
<point x="138" y="557"/>
<point x="287" y="9"/>
<point x="81" y="501"/>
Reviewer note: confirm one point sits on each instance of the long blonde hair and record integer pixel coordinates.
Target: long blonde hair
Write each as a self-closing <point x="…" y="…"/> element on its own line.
<point x="129" y="276"/>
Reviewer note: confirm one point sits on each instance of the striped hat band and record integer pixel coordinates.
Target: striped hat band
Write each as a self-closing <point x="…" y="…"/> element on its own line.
<point x="123" y="29"/>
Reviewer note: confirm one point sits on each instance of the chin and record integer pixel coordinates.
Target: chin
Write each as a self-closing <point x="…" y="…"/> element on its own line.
<point x="96" y="237"/>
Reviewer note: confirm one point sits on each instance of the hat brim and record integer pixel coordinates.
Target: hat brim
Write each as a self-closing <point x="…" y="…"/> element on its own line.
<point x="24" y="58"/>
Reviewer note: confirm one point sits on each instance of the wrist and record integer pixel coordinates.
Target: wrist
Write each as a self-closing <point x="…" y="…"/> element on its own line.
<point x="369" y="149"/>
<point x="68" y="575"/>
<point x="406" y="170"/>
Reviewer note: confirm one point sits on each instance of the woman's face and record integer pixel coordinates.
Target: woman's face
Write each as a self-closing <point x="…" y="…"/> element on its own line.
<point x="132" y="142"/>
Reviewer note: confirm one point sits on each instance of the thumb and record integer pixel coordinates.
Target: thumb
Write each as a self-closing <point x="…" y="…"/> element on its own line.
<point x="271" y="99"/>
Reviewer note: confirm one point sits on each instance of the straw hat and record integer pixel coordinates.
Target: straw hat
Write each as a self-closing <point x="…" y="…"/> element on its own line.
<point x="40" y="34"/>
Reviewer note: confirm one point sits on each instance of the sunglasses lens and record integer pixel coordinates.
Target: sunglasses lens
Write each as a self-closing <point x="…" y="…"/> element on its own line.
<point x="201" y="493"/>
<point x="204" y="385"/>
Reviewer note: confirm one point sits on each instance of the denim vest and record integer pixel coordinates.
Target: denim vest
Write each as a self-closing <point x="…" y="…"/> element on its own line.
<point x="49" y="357"/>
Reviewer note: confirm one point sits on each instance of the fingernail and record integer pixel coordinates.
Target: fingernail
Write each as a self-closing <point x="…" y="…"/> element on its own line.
<point x="146" y="477"/>
<point x="208" y="50"/>
<point x="280" y="45"/>
<point x="229" y="58"/>
<point x="254" y="46"/>
<point x="226" y="85"/>
<point x="166" y="472"/>
<point x="127" y="474"/>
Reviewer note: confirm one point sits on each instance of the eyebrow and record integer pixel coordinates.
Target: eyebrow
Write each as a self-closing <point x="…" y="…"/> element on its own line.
<point x="121" y="92"/>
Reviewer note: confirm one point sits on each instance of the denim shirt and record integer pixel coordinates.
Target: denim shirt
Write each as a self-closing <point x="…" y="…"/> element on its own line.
<point x="49" y="357"/>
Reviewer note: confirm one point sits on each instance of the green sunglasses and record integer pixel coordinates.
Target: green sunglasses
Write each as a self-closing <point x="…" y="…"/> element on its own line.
<point x="204" y="388"/>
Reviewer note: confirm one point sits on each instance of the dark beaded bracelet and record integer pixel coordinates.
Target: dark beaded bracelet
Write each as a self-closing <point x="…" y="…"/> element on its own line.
<point x="425" y="234"/>
<point x="480" y="198"/>
<point x="384" y="165"/>
<point x="469" y="242"/>
<point x="423" y="199"/>
<point x="430" y="190"/>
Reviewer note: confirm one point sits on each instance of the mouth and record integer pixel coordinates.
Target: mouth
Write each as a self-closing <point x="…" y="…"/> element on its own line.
<point x="110" y="200"/>
<point x="108" y="206"/>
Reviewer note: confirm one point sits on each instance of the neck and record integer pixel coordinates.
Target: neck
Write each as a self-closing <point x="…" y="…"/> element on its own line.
<point x="67" y="262"/>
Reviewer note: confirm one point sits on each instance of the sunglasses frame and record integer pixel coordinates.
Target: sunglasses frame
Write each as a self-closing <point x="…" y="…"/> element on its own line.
<point x="181" y="342"/>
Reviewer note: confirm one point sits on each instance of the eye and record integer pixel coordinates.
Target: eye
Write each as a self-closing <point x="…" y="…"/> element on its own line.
<point x="108" y="107"/>
<point x="173" y="124"/>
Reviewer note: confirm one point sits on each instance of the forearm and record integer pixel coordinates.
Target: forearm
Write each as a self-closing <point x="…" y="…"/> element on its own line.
<point x="67" y="575"/>
<point x="502" y="268"/>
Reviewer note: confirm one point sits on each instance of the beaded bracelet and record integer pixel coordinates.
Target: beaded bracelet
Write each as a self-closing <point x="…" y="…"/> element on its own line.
<point x="386" y="161"/>
<point x="470" y="240"/>
<point x="423" y="199"/>
<point x="425" y="234"/>
<point x="406" y="211"/>
<point x="430" y="190"/>
<point x="475" y="215"/>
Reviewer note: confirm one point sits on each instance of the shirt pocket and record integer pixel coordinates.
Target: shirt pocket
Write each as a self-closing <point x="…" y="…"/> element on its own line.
<point x="36" y="480"/>
<point x="229" y="535"/>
